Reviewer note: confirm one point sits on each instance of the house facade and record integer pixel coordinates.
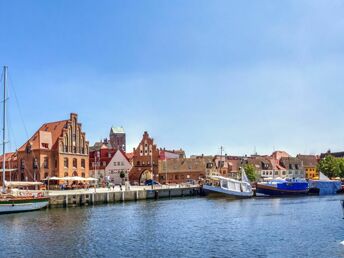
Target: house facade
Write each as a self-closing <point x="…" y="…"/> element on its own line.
<point x="56" y="149"/>
<point x="117" y="166"/>
<point x="293" y="167"/>
<point x="145" y="161"/>
<point x="309" y="163"/>
<point x="176" y="171"/>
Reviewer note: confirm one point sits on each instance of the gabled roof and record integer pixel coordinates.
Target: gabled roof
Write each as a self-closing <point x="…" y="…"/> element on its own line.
<point x="279" y="154"/>
<point x="334" y="154"/>
<point x="308" y="160"/>
<point x="47" y="132"/>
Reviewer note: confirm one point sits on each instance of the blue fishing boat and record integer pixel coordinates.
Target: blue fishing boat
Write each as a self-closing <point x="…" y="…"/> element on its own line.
<point x="283" y="187"/>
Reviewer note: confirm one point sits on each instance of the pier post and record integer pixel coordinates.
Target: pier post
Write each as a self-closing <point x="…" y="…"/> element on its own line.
<point x="107" y="197"/>
<point x="136" y="195"/>
<point x="66" y="201"/>
<point x="122" y="197"/>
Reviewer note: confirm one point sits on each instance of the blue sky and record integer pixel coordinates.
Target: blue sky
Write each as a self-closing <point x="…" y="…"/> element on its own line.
<point x="246" y="75"/>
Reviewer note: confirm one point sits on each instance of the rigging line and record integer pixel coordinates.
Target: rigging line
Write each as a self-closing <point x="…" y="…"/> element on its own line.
<point x="11" y="86"/>
<point x="18" y="106"/>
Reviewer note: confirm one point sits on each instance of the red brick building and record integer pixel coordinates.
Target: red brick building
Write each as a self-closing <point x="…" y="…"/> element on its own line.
<point x="55" y="149"/>
<point x="145" y="161"/>
<point x="11" y="166"/>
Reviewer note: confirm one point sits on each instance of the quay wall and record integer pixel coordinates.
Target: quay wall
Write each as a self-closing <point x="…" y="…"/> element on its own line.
<point x="91" y="197"/>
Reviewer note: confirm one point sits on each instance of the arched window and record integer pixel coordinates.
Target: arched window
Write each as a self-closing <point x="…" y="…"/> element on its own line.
<point x="83" y="175"/>
<point x="75" y="173"/>
<point x="66" y="174"/>
<point x="75" y="163"/>
<point x="65" y="162"/>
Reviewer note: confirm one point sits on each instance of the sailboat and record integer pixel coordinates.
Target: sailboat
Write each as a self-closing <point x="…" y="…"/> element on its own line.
<point x="228" y="187"/>
<point x="11" y="200"/>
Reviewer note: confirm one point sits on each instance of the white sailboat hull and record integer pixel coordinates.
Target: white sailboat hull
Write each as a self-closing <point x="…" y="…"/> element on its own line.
<point x="22" y="207"/>
<point x="226" y="192"/>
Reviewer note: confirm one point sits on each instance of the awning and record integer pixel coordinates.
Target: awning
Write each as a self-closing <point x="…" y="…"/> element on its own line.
<point x="71" y="178"/>
<point x="21" y="183"/>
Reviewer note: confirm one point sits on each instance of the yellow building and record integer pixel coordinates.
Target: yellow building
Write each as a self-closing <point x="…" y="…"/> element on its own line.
<point x="310" y="163"/>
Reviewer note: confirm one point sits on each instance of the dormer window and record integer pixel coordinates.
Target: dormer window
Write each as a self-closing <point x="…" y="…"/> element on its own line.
<point x="28" y="148"/>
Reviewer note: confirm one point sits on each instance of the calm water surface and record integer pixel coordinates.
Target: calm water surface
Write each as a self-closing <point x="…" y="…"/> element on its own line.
<point x="189" y="227"/>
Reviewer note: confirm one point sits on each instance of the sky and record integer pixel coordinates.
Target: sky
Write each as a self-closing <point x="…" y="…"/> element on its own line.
<point x="196" y="74"/>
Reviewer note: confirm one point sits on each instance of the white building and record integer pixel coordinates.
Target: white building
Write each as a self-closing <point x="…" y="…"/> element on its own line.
<point x="117" y="165"/>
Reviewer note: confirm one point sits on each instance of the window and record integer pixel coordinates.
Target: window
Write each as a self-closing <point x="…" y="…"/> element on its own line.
<point x="46" y="162"/>
<point x="104" y="163"/>
<point x="45" y="145"/>
<point x="35" y="163"/>
<point x="138" y="163"/>
<point x="118" y="163"/>
<point x="65" y="162"/>
<point x="83" y="163"/>
<point x="122" y="163"/>
<point x="296" y="166"/>
<point x="276" y="173"/>
<point x="283" y="173"/>
<point x="22" y="164"/>
<point x="75" y="163"/>
<point x="209" y="165"/>
<point x="290" y="166"/>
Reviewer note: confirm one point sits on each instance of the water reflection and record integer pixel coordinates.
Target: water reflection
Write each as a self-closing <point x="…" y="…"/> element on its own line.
<point x="192" y="227"/>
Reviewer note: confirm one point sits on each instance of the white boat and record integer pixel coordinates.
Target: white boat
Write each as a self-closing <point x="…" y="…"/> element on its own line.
<point x="12" y="204"/>
<point x="9" y="201"/>
<point x="228" y="187"/>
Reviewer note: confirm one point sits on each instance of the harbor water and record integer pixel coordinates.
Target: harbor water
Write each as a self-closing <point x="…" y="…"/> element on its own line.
<point x="182" y="227"/>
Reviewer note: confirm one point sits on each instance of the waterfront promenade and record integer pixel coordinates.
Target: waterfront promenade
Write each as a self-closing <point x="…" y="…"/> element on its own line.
<point x="91" y="196"/>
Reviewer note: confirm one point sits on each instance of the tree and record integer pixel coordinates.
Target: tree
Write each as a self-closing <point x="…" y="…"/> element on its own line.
<point x="331" y="166"/>
<point x="251" y="172"/>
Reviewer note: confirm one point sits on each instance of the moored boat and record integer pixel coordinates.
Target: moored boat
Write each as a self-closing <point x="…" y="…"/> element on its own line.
<point x="283" y="187"/>
<point x="12" y="204"/>
<point x="224" y="186"/>
<point x="9" y="201"/>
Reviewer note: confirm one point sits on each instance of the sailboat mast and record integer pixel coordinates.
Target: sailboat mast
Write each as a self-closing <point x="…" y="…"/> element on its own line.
<point x="4" y="133"/>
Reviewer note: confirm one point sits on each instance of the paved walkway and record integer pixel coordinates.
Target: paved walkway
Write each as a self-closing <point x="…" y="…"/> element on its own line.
<point x="117" y="189"/>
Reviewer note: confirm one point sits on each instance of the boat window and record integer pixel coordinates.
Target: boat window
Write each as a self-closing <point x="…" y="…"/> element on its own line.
<point x="224" y="184"/>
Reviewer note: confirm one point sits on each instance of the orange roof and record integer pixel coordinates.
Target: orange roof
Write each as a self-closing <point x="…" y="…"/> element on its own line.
<point x="51" y="131"/>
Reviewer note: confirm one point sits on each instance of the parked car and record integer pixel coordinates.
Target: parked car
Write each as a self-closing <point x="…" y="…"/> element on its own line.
<point x="151" y="182"/>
